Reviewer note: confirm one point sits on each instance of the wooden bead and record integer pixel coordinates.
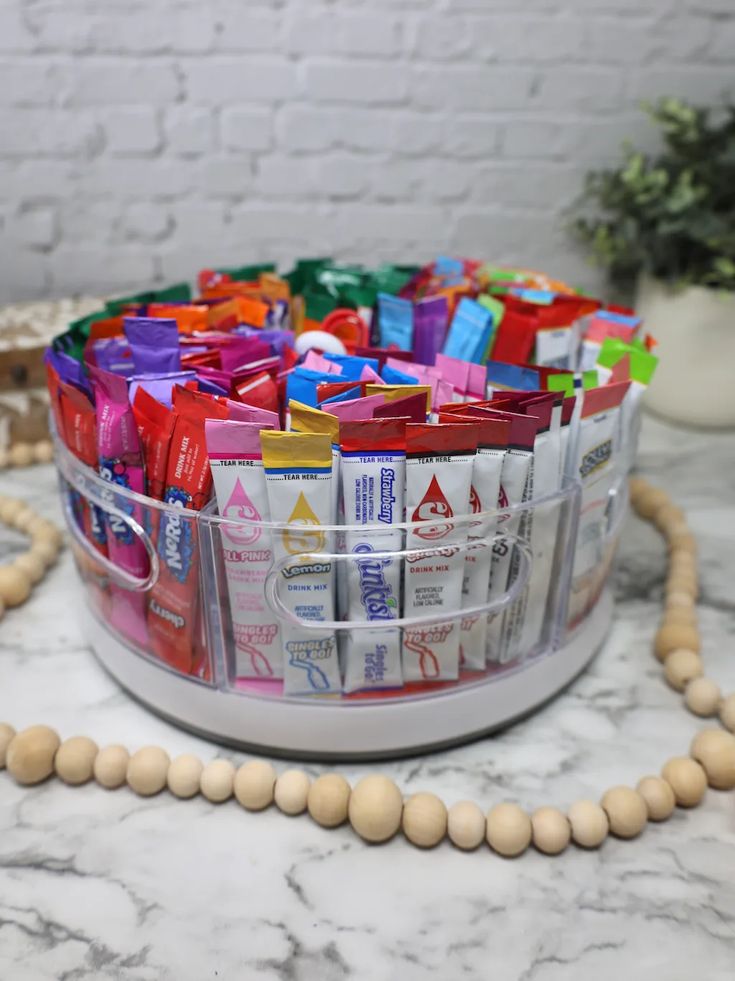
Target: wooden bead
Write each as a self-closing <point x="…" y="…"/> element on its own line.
<point x="7" y="732"/>
<point x="466" y="825"/>
<point x="111" y="766"/>
<point x="589" y="823"/>
<point x="46" y="551"/>
<point x="147" y="771"/>
<point x="43" y="451"/>
<point x="292" y="792"/>
<point x="681" y="666"/>
<point x="727" y="712"/>
<point x="30" y="755"/>
<point x="328" y="800"/>
<point x="44" y="531"/>
<point x="714" y="749"/>
<point x="626" y="811"/>
<point x="679" y="615"/>
<point x="253" y="785"/>
<point x="683" y="541"/>
<point x="648" y="502"/>
<point x="24" y="519"/>
<point x="687" y="779"/>
<point x="675" y="601"/>
<point x="702" y="697"/>
<point x="21" y="455"/>
<point x="375" y="808"/>
<point x="508" y="830"/>
<point x="183" y="775"/>
<point x="15" y="585"/>
<point x="674" y="637"/>
<point x="551" y="830"/>
<point x="10" y="508"/>
<point x="217" y="781"/>
<point x="659" y="798"/>
<point x="33" y="566"/>
<point x="74" y="760"/>
<point x="670" y="516"/>
<point x="424" y="820"/>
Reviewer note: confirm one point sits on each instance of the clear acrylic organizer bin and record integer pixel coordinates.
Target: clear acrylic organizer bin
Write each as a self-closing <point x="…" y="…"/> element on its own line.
<point x="173" y="642"/>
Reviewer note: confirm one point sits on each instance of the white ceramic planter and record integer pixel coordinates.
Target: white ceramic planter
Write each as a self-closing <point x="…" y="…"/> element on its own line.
<point x="695" y="329"/>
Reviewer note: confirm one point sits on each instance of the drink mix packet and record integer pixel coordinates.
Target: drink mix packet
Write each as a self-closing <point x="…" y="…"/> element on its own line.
<point x="439" y="461"/>
<point x="173" y="605"/>
<point x="373" y="478"/>
<point x="598" y="463"/>
<point x="120" y="463"/>
<point x="298" y="470"/>
<point x="236" y="461"/>
<point x="155" y="423"/>
<point x="154" y="344"/>
<point x="492" y="436"/>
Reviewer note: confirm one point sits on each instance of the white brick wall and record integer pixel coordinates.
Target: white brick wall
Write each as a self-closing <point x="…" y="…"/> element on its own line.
<point x="141" y="139"/>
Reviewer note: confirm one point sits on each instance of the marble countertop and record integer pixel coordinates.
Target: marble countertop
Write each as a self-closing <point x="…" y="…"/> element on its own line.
<point x="105" y="885"/>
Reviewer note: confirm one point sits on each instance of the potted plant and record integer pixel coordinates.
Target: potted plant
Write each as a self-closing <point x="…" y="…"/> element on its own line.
<point x="663" y="225"/>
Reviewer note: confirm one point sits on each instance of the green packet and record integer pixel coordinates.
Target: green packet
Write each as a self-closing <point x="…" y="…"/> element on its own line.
<point x="565" y="382"/>
<point x="642" y="362"/>
<point x="178" y="293"/>
<point x="304" y="273"/>
<point x="245" y="274"/>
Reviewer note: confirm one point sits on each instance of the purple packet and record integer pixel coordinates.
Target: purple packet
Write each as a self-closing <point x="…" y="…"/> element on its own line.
<point x="159" y="386"/>
<point x="120" y="462"/>
<point x="210" y="387"/>
<point x="68" y="369"/>
<point x="113" y="354"/>
<point x="154" y="342"/>
<point x="430" y="319"/>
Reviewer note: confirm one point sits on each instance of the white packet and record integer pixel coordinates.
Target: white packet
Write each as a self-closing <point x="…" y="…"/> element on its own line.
<point x="598" y="458"/>
<point x="373" y="479"/>
<point x="438" y="479"/>
<point x="554" y="346"/>
<point x="484" y="496"/>
<point x="236" y="463"/>
<point x="514" y="483"/>
<point x="298" y="472"/>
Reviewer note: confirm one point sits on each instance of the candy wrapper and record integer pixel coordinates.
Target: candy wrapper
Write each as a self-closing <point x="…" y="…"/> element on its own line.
<point x="120" y="463"/>
<point x="154" y="344"/>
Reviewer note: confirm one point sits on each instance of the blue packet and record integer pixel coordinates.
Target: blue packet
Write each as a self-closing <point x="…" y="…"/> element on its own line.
<point x="447" y="266"/>
<point x="470" y="332"/>
<point x="500" y="374"/>
<point x="351" y="365"/>
<point x="395" y="320"/>
<point x="346" y="396"/>
<point x="391" y="376"/>
<point x="302" y="382"/>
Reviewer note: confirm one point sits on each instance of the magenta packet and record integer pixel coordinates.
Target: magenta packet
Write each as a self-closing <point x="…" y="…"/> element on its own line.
<point x="154" y="342"/>
<point x="120" y="462"/>
<point x="362" y="408"/>
<point x="412" y="408"/>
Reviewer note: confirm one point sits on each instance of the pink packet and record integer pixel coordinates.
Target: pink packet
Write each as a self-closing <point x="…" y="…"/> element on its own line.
<point x="457" y="373"/>
<point x="240" y="412"/>
<point x="317" y="362"/>
<point x="236" y="462"/>
<point x="363" y="408"/>
<point x="236" y="354"/>
<point x="120" y="461"/>
<point x="368" y="374"/>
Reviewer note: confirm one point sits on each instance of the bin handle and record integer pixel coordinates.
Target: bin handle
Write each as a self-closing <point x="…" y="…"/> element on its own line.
<point x="493" y="606"/>
<point x="138" y="584"/>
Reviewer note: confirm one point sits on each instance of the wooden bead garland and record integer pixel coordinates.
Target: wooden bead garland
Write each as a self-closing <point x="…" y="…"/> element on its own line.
<point x="375" y="807"/>
<point x="18" y="578"/>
